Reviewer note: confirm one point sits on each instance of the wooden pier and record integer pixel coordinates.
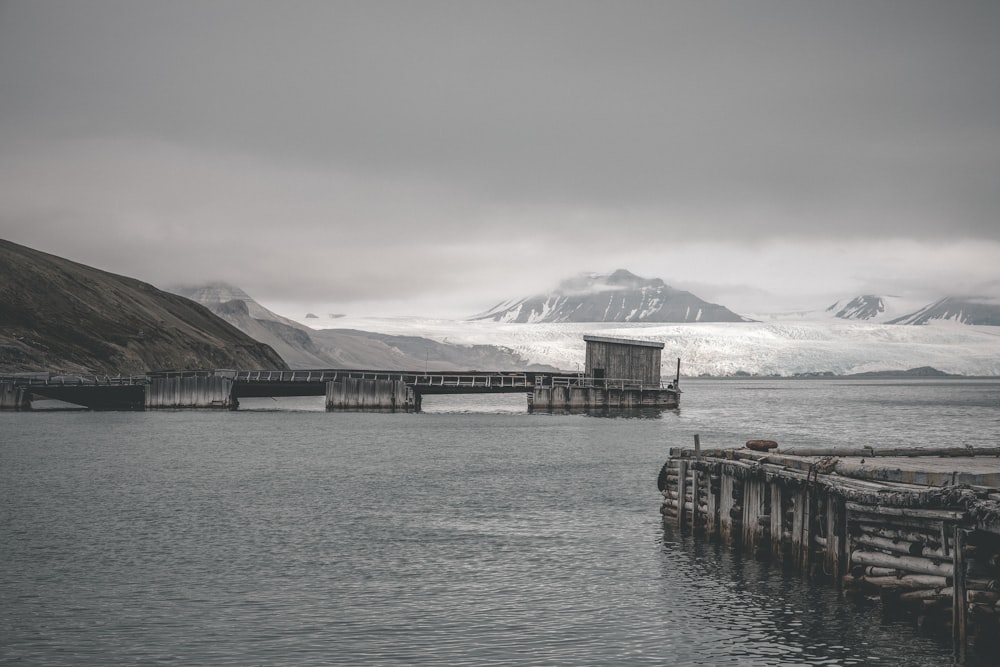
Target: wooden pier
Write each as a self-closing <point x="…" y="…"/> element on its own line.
<point x="620" y="375"/>
<point x="918" y="528"/>
<point x="345" y="390"/>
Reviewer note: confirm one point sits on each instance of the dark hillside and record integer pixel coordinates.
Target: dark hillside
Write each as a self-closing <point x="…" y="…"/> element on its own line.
<point x="58" y="315"/>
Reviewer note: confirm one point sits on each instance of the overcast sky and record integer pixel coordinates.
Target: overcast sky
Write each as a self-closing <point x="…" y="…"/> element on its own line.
<point x="436" y="157"/>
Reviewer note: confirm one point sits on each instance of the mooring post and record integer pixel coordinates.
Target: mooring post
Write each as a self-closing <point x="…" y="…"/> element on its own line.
<point x="959" y="605"/>
<point x="777" y="521"/>
<point x="681" y="490"/>
<point x="726" y="504"/>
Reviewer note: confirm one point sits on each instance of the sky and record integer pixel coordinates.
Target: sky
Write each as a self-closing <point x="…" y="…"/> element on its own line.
<point x="435" y="158"/>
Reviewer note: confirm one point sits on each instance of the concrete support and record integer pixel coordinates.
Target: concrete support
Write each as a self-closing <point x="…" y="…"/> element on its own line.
<point x="358" y="395"/>
<point x="561" y="398"/>
<point x="13" y="397"/>
<point x="190" y="392"/>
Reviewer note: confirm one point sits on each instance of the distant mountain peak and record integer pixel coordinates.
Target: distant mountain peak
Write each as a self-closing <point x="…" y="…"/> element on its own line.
<point x="977" y="310"/>
<point x="215" y="296"/>
<point x="864" y="307"/>
<point x="620" y="296"/>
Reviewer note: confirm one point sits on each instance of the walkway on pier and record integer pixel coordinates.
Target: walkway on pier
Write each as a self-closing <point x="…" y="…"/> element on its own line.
<point x="348" y="389"/>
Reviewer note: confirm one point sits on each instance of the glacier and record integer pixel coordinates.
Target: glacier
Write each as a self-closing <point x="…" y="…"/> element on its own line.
<point x="767" y="348"/>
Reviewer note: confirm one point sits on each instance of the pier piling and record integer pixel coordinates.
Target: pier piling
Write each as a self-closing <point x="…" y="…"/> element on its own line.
<point x="362" y="395"/>
<point x="14" y="397"/>
<point x="206" y="391"/>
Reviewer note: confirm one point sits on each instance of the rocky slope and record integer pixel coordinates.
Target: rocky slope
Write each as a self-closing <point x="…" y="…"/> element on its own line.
<point x="619" y="297"/>
<point x="303" y="347"/>
<point x="58" y="315"/>
<point x="864" y="307"/>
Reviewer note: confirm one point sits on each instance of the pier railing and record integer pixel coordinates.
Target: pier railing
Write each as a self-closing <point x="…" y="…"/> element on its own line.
<point x="471" y="380"/>
<point x="61" y="380"/>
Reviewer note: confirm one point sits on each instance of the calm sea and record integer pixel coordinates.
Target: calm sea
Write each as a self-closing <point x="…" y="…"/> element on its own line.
<point x="471" y="534"/>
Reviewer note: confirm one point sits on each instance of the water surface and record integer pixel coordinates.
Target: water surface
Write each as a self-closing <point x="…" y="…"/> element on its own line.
<point x="473" y="534"/>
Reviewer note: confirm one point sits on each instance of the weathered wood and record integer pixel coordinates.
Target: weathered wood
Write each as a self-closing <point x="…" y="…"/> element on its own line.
<point x="753" y="508"/>
<point x="695" y="481"/>
<point x="726" y="507"/>
<point x="832" y="554"/>
<point x="712" y="505"/>
<point x="898" y="546"/>
<point x="681" y="489"/>
<point x="869" y="532"/>
<point x="885" y="452"/>
<point x="908" y="581"/>
<point x="801" y="534"/>
<point x="944" y="515"/>
<point x="958" y="615"/>
<point x="899" y="562"/>
<point x="931" y="539"/>
<point x="776" y="520"/>
<point x="939" y="594"/>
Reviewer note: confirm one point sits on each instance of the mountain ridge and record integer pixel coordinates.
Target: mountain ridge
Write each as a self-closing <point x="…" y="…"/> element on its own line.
<point x="617" y="297"/>
<point x="59" y="315"/>
<point x="303" y="347"/>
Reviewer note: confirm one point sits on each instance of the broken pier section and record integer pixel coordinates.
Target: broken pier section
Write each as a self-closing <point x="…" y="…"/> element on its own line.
<point x="919" y="527"/>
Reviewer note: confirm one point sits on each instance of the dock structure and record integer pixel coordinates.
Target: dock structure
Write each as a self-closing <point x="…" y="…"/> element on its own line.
<point x="918" y="528"/>
<point x="344" y="390"/>
<point x="620" y="375"/>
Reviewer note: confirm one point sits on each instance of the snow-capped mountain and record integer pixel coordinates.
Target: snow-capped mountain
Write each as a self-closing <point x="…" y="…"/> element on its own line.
<point x="872" y="308"/>
<point x="619" y="297"/>
<point x="967" y="310"/>
<point x="865" y="307"/>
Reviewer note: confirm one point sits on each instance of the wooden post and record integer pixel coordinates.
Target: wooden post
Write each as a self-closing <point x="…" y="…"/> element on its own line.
<point x="753" y="507"/>
<point x="712" y="500"/>
<point x="725" y="506"/>
<point x="959" y="606"/>
<point x="777" y="515"/>
<point x="801" y="529"/>
<point x="695" y="485"/>
<point x="681" y="490"/>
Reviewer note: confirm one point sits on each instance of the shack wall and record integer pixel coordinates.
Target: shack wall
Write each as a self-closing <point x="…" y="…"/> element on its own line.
<point x="623" y="360"/>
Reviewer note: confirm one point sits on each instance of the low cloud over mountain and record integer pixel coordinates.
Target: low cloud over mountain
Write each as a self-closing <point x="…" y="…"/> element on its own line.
<point x="303" y="347"/>
<point x="619" y="297"/>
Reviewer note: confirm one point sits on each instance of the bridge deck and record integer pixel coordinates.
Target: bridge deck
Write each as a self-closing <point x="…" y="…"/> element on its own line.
<point x="313" y="382"/>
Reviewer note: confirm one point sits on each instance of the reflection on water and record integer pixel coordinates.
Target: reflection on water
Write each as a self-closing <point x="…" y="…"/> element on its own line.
<point x="765" y="615"/>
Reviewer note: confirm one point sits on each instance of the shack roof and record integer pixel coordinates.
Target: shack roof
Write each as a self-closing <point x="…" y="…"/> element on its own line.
<point x="622" y="341"/>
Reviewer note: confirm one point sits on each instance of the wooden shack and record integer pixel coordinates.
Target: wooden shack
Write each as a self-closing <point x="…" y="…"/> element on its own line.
<point x="620" y="375"/>
<point x="617" y="359"/>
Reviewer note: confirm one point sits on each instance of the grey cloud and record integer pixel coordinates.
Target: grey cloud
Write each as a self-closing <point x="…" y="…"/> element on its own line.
<point x="345" y="139"/>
